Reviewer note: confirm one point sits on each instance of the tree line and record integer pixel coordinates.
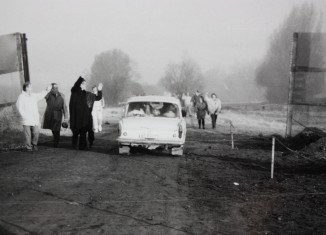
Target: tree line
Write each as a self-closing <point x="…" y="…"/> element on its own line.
<point x="267" y="80"/>
<point x="274" y="70"/>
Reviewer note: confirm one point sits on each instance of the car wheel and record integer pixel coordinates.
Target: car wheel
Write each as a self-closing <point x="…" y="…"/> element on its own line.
<point x="124" y="149"/>
<point x="177" y="151"/>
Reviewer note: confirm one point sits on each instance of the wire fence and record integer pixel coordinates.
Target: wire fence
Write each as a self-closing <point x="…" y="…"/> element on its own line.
<point x="234" y="140"/>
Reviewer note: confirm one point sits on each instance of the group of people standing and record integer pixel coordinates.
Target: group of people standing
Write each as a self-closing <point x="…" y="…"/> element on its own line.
<point x="206" y="104"/>
<point x="85" y="109"/>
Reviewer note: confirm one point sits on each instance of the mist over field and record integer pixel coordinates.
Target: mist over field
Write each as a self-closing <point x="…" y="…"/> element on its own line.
<point x="237" y="86"/>
<point x="237" y="49"/>
<point x="254" y="164"/>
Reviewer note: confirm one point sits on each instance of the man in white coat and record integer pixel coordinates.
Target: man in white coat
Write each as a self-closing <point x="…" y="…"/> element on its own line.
<point x="28" y="110"/>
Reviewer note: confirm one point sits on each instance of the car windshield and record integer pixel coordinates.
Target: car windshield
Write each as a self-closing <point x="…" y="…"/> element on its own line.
<point x="152" y="109"/>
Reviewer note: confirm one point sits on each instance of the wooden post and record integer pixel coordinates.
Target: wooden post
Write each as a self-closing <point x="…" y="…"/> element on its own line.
<point x="288" y="131"/>
<point x="273" y="153"/>
<point x="231" y="132"/>
<point x="232" y="144"/>
<point x="25" y="57"/>
<point x="20" y="59"/>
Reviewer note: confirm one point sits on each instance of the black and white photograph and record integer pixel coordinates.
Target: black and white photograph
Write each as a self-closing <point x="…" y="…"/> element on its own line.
<point x="167" y="117"/>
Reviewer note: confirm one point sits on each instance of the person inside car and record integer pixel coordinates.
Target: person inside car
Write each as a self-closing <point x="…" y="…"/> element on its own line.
<point x="171" y="111"/>
<point x="136" y="110"/>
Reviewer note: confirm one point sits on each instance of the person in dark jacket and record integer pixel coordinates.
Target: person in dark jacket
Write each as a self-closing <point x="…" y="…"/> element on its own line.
<point x="201" y="109"/>
<point x="55" y="108"/>
<point x="195" y="98"/>
<point x="80" y="115"/>
<point x="91" y="97"/>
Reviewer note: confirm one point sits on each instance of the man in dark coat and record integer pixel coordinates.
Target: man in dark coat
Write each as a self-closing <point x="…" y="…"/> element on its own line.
<point x="80" y="115"/>
<point x="56" y="108"/>
<point x="195" y="98"/>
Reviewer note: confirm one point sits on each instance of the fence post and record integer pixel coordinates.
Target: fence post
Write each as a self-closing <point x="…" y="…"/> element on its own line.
<point x="288" y="131"/>
<point x="231" y="133"/>
<point x="273" y="153"/>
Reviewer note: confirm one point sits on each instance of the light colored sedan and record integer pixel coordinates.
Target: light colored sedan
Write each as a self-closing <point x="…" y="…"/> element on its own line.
<point x="152" y="122"/>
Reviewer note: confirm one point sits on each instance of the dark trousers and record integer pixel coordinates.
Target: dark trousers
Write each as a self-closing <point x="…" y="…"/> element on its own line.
<point x="91" y="137"/>
<point x="81" y="133"/>
<point x="90" y="132"/>
<point x="214" y="119"/>
<point x="201" y="121"/>
<point x="56" y="138"/>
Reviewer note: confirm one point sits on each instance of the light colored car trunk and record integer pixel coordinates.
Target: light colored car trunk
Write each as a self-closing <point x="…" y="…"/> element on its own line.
<point x="158" y="128"/>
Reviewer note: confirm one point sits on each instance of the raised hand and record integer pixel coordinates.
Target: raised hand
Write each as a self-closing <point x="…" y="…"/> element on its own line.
<point x="48" y="88"/>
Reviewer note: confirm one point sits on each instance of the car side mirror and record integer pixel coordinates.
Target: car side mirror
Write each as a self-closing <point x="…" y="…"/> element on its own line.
<point x="184" y="113"/>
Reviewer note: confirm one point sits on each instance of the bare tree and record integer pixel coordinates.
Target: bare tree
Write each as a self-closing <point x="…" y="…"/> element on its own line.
<point x="114" y="69"/>
<point x="273" y="72"/>
<point x="183" y="77"/>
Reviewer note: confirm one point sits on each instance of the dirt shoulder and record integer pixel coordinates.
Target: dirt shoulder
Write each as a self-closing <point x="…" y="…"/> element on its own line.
<point x="210" y="190"/>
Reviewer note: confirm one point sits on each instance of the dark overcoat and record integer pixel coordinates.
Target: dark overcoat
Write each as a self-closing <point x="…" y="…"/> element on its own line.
<point x="80" y="114"/>
<point x="195" y="99"/>
<point x="201" y="109"/>
<point x="56" y="108"/>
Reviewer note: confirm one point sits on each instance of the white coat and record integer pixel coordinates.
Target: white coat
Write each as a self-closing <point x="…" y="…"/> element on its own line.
<point x="27" y="107"/>
<point x="213" y="106"/>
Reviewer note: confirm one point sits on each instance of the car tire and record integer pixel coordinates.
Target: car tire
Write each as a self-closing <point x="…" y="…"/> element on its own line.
<point x="124" y="150"/>
<point x="177" y="151"/>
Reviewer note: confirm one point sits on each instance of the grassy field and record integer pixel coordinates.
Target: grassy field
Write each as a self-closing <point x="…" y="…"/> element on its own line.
<point x="248" y="119"/>
<point x="252" y="119"/>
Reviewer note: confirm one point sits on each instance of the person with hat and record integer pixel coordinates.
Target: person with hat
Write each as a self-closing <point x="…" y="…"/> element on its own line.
<point x="56" y="108"/>
<point x="80" y="114"/>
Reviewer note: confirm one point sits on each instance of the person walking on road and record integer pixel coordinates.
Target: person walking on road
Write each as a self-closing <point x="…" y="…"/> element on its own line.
<point x="56" y="108"/>
<point x="195" y="98"/>
<point x="97" y="112"/>
<point x="80" y="115"/>
<point x="28" y="110"/>
<point x="201" y="109"/>
<point x="214" y="107"/>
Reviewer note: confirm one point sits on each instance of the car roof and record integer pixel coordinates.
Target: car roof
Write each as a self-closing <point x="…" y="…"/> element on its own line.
<point x="154" y="98"/>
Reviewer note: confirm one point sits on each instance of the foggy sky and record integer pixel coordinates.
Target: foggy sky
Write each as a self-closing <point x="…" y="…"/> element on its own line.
<point x="65" y="35"/>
